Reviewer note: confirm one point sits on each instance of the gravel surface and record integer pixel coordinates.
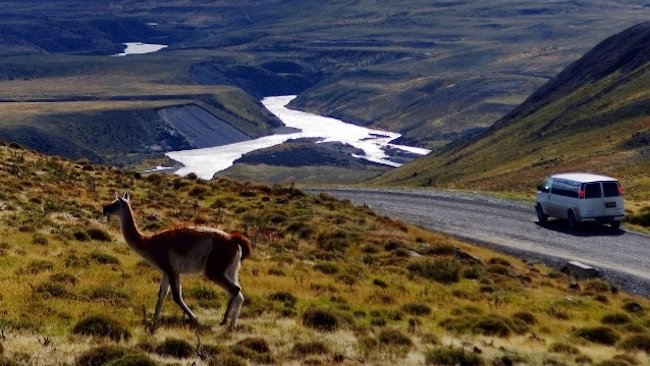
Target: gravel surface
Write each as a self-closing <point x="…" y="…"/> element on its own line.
<point x="621" y="257"/>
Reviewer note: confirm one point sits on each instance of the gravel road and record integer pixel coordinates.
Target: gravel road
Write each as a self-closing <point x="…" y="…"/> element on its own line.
<point x="508" y="226"/>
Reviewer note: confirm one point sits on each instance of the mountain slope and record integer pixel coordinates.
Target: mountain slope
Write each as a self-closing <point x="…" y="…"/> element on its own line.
<point x="593" y="116"/>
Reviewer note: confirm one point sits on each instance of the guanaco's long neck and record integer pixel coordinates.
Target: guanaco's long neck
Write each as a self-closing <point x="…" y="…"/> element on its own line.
<point x="132" y="235"/>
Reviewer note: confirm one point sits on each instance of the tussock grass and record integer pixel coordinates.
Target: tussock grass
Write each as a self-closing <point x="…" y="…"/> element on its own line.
<point x="175" y="347"/>
<point x="102" y="326"/>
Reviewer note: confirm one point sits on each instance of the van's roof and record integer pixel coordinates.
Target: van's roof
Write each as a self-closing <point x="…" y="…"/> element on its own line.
<point x="584" y="177"/>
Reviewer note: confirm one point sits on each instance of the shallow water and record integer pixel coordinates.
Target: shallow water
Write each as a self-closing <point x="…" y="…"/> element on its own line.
<point x="208" y="161"/>
<point x="139" y="48"/>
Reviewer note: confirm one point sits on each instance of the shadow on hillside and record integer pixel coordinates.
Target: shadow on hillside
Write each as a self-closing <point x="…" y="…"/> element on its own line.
<point x="585" y="229"/>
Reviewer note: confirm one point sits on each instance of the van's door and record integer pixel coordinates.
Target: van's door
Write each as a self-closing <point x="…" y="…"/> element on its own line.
<point x="592" y="205"/>
<point x="612" y="199"/>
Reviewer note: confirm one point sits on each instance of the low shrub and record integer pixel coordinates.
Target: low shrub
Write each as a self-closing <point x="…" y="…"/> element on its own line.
<point x="637" y="342"/>
<point x="500" y="261"/>
<point x="633" y="307"/>
<point x="439" y="250"/>
<point x="525" y="317"/>
<point x="285" y="297"/>
<point x="321" y="320"/>
<point x="101" y="355"/>
<point x="102" y="326"/>
<point x="133" y="359"/>
<point x="256" y="344"/>
<point x="39" y="266"/>
<point x="99" y="234"/>
<point x="394" y="337"/>
<point x="52" y="289"/>
<point x="103" y="258"/>
<point x="109" y="295"/>
<point x="302" y="349"/>
<point x="564" y="348"/>
<point x="175" y="347"/>
<point x="81" y="235"/>
<point x="615" y="319"/>
<point x="444" y="356"/>
<point x="326" y="267"/>
<point x="492" y="325"/>
<point x="445" y="270"/>
<point x="227" y="360"/>
<point x="202" y="293"/>
<point x="601" y="335"/>
<point x="64" y="278"/>
<point x="379" y="283"/>
<point x="416" y="309"/>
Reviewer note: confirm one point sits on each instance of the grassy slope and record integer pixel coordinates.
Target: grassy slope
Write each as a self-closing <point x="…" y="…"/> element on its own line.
<point x="593" y="121"/>
<point x="312" y="252"/>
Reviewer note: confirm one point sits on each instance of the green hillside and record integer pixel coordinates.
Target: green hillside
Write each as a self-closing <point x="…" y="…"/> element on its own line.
<point x="592" y="117"/>
<point x="327" y="283"/>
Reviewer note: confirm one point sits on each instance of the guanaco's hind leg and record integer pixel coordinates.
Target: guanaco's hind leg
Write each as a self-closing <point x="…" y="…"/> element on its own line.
<point x="177" y="294"/>
<point x="230" y="259"/>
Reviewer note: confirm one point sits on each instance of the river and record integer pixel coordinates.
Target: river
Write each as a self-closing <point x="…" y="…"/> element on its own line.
<point x="208" y="161"/>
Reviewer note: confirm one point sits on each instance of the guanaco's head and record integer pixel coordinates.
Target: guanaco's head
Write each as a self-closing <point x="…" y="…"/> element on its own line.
<point x="117" y="207"/>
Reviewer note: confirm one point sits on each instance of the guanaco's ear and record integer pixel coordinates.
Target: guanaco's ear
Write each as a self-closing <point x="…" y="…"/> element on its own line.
<point x="117" y="195"/>
<point x="127" y="196"/>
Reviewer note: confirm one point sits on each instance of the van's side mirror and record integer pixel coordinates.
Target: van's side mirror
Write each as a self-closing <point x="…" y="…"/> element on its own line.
<point x="540" y="188"/>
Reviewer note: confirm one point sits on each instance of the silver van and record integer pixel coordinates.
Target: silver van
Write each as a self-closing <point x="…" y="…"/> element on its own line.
<point x="581" y="197"/>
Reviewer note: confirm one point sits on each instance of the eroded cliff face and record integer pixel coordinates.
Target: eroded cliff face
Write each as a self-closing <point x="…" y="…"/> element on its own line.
<point x="198" y="127"/>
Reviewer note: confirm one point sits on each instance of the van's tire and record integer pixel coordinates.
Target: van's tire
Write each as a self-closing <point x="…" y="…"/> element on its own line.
<point x="615" y="225"/>
<point x="573" y="223"/>
<point x="542" y="218"/>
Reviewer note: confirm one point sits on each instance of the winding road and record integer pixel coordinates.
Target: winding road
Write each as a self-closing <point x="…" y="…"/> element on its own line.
<point x="621" y="257"/>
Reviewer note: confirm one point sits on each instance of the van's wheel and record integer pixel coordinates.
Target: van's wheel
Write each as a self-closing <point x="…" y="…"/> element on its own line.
<point x="615" y="225"/>
<point x="542" y="218"/>
<point x="573" y="223"/>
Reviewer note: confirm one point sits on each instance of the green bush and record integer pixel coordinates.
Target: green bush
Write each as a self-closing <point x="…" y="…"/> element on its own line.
<point x="445" y="271"/>
<point x="322" y="320"/>
<point x="175" y="347"/>
<point x="443" y="356"/>
<point x="601" y="335"/>
<point x="102" y="326"/>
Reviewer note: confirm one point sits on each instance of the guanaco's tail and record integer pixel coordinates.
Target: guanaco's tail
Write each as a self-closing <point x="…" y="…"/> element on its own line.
<point x="244" y="244"/>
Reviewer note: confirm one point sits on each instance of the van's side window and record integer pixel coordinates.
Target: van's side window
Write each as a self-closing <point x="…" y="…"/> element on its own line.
<point x="565" y="188"/>
<point x="611" y="189"/>
<point x="592" y="190"/>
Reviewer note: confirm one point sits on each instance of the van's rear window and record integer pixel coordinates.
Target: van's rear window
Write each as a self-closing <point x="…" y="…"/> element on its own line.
<point x="592" y="190"/>
<point x="610" y="189"/>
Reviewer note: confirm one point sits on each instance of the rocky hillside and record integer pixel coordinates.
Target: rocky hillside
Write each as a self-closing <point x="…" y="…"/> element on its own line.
<point x="592" y="117"/>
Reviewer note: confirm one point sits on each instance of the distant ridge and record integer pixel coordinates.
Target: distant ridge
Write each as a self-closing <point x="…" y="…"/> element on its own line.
<point x="593" y="116"/>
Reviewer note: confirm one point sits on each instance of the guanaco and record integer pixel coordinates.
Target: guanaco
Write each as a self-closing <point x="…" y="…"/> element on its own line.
<point x="215" y="253"/>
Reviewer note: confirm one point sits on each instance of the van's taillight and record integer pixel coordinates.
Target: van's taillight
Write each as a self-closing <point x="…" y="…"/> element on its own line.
<point x="621" y="191"/>
<point x="581" y="193"/>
